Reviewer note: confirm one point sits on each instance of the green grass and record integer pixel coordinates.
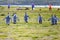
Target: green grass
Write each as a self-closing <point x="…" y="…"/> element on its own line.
<point x="31" y="30"/>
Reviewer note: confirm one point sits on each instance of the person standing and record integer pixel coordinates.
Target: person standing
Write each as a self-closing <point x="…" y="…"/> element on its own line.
<point x="33" y="6"/>
<point x="53" y="19"/>
<point x="26" y="17"/>
<point x="50" y="7"/>
<point x="15" y="18"/>
<point x="40" y="19"/>
<point x="8" y="6"/>
<point x="7" y="19"/>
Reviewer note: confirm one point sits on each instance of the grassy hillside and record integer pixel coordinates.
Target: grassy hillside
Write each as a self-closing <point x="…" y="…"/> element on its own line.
<point x="31" y="30"/>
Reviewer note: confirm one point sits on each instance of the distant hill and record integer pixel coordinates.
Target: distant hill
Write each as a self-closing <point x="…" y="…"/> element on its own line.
<point x="28" y="2"/>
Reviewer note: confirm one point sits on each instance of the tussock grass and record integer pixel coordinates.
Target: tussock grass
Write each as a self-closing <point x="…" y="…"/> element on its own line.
<point x="31" y="30"/>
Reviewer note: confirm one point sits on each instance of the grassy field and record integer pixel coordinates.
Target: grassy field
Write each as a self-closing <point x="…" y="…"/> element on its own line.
<point x="31" y="30"/>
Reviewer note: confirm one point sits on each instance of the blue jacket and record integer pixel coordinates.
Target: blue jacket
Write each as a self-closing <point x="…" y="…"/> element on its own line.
<point x="26" y="17"/>
<point x="53" y="19"/>
<point x="40" y="19"/>
<point x="14" y="17"/>
<point x="7" y="19"/>
<point x="32" y="5"/>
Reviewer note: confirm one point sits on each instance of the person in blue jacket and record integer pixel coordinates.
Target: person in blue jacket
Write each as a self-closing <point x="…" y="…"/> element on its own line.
<point x="33" y="6"/>
<point x="54" y="20"/>
<point x="26" y="17"/>
<point x="40" y="19"/>
<point x="7" y="19"/>
<point x="8" y="6"/>
<point x="15" y="18"/>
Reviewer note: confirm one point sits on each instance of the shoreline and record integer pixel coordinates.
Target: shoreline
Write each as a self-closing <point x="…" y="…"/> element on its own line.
<point x="35" y="6"/>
